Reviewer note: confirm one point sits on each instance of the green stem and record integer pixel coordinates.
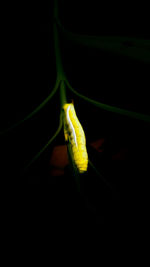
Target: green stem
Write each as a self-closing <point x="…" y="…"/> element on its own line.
<point x="37" y="109"/>
<point x="138" y="42"/>
<point x="99" y="174"/>
<point x="59" y="67"/>
<point x="49" y="142"/>
<point x="63" y="99"/>
<point x="60" y="79"/>
<point x="131" y="114"/>
<point x="125" y="46"/>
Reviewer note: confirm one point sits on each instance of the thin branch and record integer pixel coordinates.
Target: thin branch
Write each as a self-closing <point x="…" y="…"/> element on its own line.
<point x="99" y="174"/>
<point x="138" y="49"/>
<point x="44" y="148"/>
<point x="59" y="66"/>
<point x="120" y="111"/>
<point x="63" y="98"/>
<point x="34" y="111"/>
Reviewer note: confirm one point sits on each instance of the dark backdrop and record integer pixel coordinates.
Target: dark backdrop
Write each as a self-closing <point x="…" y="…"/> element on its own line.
<point x="28" y="74"/>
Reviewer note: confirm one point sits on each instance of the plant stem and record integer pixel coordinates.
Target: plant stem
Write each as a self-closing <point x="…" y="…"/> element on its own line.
<point x="49" y="142"/>
<point x="63" y="98"/>
<point x="59" y="67"/>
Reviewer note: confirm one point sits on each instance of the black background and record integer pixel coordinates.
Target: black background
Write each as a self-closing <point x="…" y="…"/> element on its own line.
<point x="28" y="74"/>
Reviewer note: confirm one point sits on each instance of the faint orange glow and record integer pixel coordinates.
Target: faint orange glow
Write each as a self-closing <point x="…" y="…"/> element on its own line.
<point x="59" y="157"/>
<point x="58" y="160"/>
<point x="98" y="144"/>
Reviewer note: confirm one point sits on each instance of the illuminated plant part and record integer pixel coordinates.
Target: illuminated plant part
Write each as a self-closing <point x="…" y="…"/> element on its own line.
<point x="75" y="136"/>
